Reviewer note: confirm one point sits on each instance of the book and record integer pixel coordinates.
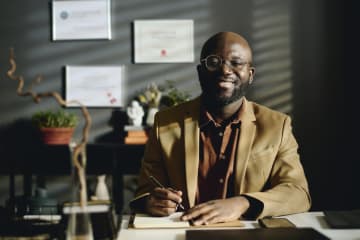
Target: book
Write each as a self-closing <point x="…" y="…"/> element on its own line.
<point x="135" y="140"/>
<point x="135" y="133"/>
<point x="91" y="207"/>
<point x="172" y="221"/>
<point x="128" y="128"/>
<point x="49" y="218"/>
<point x="147" y="221"/>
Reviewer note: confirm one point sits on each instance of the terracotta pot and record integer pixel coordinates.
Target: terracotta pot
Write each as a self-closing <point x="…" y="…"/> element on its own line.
<point x="56" y="136"/>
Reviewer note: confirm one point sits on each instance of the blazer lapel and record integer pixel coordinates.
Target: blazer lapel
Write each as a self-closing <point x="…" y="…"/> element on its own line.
<point x="191" y="138"/>
<point x="246" y="139"/>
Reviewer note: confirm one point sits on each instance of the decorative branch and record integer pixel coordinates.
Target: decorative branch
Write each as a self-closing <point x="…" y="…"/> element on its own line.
<point x="79" y="151"/>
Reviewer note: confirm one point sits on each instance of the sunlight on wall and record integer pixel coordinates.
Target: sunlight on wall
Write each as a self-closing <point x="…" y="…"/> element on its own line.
<point x="272" y="54"/>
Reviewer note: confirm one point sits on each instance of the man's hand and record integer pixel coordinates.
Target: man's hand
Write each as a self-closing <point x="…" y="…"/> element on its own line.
<point x="163" y="201"/>
<point x="223" y="210"/>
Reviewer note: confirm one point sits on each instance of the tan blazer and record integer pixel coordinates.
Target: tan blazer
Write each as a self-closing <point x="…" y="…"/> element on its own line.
<point x="267" y="165"/>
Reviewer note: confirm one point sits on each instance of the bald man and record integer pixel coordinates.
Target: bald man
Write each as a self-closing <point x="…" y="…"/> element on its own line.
<point x="221" y="156"/>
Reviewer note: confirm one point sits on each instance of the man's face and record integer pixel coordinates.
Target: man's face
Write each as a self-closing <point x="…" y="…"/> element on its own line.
<point x="229" y="81"/>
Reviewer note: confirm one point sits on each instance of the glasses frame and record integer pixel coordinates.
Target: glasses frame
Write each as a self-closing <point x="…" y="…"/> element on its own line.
<point x="222" y="61"/>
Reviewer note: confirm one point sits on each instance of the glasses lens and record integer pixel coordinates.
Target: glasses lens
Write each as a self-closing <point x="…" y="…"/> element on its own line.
<point x="213" y="62"/>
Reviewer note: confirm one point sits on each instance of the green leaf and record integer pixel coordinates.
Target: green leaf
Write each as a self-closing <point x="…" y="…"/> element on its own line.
<point x="58" y="118"/>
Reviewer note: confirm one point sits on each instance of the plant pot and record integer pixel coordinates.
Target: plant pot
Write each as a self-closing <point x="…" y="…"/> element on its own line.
<point x="56" y="136"/>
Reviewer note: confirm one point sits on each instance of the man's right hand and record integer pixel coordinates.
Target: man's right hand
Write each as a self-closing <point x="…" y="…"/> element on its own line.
<point x="163" y="201"/>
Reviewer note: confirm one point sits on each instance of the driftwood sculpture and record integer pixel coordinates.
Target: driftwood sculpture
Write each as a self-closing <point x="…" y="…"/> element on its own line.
<point x="79" y="150"/>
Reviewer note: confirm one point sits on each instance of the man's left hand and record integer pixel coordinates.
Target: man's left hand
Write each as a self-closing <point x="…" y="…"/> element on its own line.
<point x="214" y="211"/>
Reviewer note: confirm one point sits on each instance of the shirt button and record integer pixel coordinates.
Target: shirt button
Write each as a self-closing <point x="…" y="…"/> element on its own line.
<point x="221" y="134"/>
<point x="222" y="157"/>
<point x="221" y="180"/>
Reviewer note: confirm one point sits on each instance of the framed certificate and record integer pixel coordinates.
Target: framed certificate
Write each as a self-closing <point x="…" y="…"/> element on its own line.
<point x="94" y="86"/>
<point x="75" y="20"/>
<point x="160" y="41"/>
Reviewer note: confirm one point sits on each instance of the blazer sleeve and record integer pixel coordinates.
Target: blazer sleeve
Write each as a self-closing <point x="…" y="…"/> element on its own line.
<point x="288" y="188"/>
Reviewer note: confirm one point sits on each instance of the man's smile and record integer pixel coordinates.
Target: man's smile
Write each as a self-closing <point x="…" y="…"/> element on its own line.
<point x="226" y="82"/>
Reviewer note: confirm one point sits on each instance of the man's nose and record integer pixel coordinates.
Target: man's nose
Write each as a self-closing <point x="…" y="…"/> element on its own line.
<point x="225" y="67"/>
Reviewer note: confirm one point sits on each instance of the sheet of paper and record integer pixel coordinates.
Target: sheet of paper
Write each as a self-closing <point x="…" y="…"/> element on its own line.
<point x="95" y="86"/>
<point x="74" y="20"/>
<point x="172" y="221"/>
<point x="159" y="41"/>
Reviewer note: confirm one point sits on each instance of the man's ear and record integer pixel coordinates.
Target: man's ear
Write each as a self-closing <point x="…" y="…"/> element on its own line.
<point x="251" y="74"/>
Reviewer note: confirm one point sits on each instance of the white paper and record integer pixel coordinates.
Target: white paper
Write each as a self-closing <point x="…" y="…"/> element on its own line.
<point x="171" y="221"/>
<point x="163" y="41"/>
<point x="95" y="86"/>
<point x="73" y="20"/>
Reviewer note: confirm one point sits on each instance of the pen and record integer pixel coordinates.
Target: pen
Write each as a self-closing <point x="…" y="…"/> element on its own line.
<point x="158" y="184"/>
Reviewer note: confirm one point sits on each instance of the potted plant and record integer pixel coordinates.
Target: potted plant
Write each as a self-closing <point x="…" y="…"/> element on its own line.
<point x="172" y="96"/>
<point x="56" y="127"/>
<point x="156" y="97"/>
<point x="150" y="99"/>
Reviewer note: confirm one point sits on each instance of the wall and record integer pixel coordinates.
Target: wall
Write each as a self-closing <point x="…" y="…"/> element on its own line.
<point x="294" y="42"/>
<point x="323" y="86"/>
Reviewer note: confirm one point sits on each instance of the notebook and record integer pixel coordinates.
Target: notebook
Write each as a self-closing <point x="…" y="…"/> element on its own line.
<point x="172" y="221"/>
<point x="256" y="234"/>
<point x="343" y="219"/>
<point x="147" y="221"/>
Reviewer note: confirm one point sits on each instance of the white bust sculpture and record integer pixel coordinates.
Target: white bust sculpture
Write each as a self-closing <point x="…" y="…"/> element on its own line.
<point x="135" y="113"/>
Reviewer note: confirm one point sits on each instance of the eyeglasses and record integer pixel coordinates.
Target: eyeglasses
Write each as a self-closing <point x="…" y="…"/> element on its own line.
<point x="214" y="63"/>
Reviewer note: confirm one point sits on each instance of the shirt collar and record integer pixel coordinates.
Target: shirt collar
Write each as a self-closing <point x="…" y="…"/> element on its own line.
<point x="206" y="118"/>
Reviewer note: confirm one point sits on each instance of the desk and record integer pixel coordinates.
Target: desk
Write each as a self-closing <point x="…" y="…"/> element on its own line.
<point x="310" y="219"/>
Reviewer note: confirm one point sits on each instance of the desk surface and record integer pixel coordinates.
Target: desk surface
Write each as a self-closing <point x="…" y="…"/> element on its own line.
<point x="310" y="219"/>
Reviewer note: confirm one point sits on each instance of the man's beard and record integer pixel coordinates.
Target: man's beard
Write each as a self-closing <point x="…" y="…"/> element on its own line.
<point x="213" y="99"/>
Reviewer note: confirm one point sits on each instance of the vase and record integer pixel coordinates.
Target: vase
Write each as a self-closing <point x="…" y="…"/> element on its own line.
<point x="79" y="225"/>
<point x="151" y="115"/>
<point x="101" y="190"/>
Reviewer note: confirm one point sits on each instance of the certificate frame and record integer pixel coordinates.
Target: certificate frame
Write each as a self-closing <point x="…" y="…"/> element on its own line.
<point x="81" y="19"/>
<point x="94" y="86"/>
<point x="162" y="41"/>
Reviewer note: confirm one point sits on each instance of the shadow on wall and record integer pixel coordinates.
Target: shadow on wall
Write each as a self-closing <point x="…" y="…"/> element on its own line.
<point x="117" y="121"/>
